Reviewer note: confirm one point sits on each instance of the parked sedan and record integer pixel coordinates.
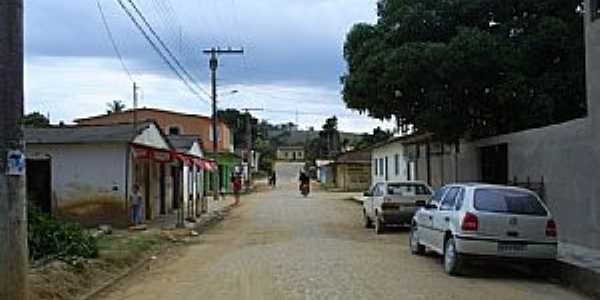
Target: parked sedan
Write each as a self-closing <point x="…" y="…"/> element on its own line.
<point x="466" y="221"/>
<point x="393" y="203"/>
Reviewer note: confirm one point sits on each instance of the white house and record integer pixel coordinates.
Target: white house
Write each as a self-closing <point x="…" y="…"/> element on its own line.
<point x="192" y="196"/>
<point x="393" y="160"/>
<point x="86" y="173"/>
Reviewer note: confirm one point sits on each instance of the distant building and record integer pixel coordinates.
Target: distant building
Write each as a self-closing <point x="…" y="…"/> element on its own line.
<point x="351" y="171"/>
<point x="291" y="153"/>
<point x="172" y="123"/>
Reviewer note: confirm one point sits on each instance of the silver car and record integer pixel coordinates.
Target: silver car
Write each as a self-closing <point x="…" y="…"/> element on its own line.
<point x="474" y="221"/>
<point x="389" y="203"/>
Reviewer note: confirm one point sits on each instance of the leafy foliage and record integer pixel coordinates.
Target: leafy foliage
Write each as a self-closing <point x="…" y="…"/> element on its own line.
<point x="116" y="106"/>
<point x="35" y="120"/>
<point x="468" y="68"/>
<point x="51" y="238"/>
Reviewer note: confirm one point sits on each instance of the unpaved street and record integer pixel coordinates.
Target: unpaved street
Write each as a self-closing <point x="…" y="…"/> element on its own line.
<point x="278" y="245"/>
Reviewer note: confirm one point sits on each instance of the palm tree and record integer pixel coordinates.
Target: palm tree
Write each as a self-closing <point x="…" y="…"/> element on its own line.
<point x="116" y="106"/>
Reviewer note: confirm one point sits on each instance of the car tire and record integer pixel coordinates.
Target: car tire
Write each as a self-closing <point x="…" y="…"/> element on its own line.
<point x="452" y="260"/>
<point x="415" y="247"/>
<point x="367" y="221"/>
<point x="379" y="226"/>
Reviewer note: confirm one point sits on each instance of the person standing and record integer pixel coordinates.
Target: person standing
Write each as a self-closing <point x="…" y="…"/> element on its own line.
<point x="137" y="203"/>
<point x="236" y="181"/>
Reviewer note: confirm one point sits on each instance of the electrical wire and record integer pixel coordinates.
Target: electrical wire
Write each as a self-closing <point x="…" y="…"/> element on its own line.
<point x="113" y="42"/>
<point x="158" y="51"/>
<point x="165" y="47"/>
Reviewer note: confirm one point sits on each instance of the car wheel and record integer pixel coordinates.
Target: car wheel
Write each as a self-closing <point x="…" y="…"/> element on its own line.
<point x="415" y="247"/>
<point x="453" y="262"/>
<point x="378" y="226"/>
<point x="367" y="221"/>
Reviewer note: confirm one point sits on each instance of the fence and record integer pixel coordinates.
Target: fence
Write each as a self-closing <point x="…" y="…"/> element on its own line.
<point x="535" y="186"/>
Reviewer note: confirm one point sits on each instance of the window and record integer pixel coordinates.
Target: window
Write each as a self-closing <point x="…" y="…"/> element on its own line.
<point x="450" y="199"/>
<point x="375" y="168"/>
<point x="508" y="201"/>
<point x="397" y="165"/>
<point x="437" y="196"/>
<point x="174" y="130"/>
<point x="408" y="189"/>
<point x="381" y="167"/>
<point x="387" y="177"/>
<point x="379" y="191"/>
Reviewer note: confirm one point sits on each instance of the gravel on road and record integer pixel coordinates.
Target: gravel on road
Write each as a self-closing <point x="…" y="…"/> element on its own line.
<point x="279" y="245"/>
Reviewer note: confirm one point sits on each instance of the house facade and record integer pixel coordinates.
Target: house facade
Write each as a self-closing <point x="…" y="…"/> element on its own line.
<point x="351" y="171"/>
<point x="182" y="124"/>
<point x="291" y="153"/>
<point x="86" y="173"/>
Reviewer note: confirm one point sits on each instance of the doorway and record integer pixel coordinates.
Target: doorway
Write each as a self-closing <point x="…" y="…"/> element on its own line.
<point x="39" y="184"/>
<point x="176" y="174"/>
<point x="494" y="164"/>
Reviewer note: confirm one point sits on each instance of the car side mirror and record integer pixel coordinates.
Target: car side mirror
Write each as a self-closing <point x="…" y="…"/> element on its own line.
<point x="431" y="206"/>
<point x="421" y="203"/>
<point x="367" y="194"/>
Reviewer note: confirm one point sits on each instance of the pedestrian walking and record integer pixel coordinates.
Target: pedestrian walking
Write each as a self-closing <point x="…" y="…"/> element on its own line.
<point x="236" y="181"/>
<point x="273" y="179"/>
<point x="137" y="203"/>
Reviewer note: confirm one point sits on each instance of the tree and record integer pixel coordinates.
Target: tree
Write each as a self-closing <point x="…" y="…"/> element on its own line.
<point x="36" y="120"/>
<point x="441" y="67"/>
<point x="116" y="106"/>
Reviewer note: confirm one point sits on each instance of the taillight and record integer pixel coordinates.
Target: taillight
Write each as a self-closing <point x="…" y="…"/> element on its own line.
<point x="551" y="228"/>
<point x="469" y="222"/>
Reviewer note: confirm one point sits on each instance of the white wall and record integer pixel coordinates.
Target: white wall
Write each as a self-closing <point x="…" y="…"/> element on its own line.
<point x="389" y="151"/>
<point x="78" y="170"/>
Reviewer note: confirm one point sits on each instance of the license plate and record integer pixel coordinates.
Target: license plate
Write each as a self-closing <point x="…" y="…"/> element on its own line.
<point x="511" y="247"/>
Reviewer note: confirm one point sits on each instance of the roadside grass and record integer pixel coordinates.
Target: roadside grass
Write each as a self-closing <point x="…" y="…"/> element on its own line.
<point x="122" y="249"/>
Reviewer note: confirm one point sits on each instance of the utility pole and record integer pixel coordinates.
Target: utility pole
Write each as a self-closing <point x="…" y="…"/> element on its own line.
<point x="13" y="207"/>
<point x="249" y="156"/>
<point x="135" y="106"/>
<point x="214" y="65"/>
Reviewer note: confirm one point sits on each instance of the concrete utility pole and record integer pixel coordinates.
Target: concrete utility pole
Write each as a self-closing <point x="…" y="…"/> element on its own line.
<point x="13" y="209"/>
<point x="214" y="65"/>
<point x="249" y="157"/>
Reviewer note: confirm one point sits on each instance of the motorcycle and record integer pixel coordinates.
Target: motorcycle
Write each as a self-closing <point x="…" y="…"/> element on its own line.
<point x="305" y="189"/>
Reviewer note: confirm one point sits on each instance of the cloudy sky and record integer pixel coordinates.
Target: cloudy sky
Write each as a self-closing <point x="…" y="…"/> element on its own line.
<point x="292" y="64"/>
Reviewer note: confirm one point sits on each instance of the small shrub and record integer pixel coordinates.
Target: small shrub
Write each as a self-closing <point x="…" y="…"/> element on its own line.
<point x="50" y="238"/>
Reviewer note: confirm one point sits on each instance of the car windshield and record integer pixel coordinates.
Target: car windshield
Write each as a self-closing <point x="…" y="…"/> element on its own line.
<point x="408" y="189"/>
<point x="508" y="201"/>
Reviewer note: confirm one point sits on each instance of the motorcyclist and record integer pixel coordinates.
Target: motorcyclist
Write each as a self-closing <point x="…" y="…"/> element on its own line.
<point x="304" y="180"/>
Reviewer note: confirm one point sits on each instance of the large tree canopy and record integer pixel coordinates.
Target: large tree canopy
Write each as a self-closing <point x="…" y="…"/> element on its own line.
<point x="468" y="67"/>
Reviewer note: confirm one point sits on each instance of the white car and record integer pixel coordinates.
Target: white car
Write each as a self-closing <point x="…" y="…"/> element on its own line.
<point x="469" y="221"/>
<point x="394" y="203"/>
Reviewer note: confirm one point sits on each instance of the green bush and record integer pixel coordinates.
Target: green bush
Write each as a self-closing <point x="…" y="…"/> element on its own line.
<point x="50" y="238"/>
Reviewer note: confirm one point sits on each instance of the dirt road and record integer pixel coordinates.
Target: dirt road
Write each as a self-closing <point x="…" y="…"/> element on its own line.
<point x="278" y="245"/>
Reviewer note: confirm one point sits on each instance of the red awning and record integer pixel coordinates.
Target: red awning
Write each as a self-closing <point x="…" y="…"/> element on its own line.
<point x="145" y="152"/>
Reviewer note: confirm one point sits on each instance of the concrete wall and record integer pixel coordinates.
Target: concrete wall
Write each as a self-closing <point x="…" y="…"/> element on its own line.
<point x="352" y="177"/>
<point x="88" y="181"/>
<point x="565" y="155"/>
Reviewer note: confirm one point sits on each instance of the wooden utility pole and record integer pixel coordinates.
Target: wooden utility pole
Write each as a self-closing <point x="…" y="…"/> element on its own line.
<point x="13" y="209"/>
<point x="214" y="65"/>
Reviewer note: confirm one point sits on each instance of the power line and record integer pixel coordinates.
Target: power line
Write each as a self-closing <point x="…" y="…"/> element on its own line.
<point x="165" y="47"/>
<point x="157" y="50"/>
<point x="113" y="42"/>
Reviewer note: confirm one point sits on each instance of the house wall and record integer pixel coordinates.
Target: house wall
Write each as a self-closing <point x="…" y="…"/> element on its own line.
<point x="290" y="154"/>
<point x="88" y="181"/>
<point x="188" y="125"/>
<point x="390" y="151"/>
<point x="353" y="177"/>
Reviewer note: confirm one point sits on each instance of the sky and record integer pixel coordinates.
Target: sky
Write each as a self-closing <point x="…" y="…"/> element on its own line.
<point x="291" y="67"/>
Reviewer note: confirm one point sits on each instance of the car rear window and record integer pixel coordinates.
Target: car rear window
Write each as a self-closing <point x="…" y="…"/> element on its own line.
<point x="508" y="201"/>
<point x="408" y="189"/>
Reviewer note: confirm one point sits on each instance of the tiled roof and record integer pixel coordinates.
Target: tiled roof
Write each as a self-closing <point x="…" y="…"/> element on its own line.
<point x="117" y="133"/>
